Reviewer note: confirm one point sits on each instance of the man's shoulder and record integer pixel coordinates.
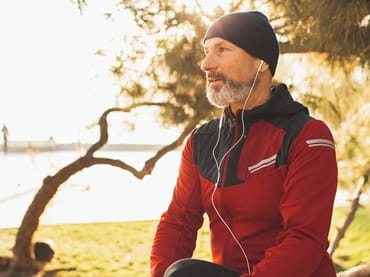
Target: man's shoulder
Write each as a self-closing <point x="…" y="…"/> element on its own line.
<point x="208" y="127"/>
<point x="316" y="127"/>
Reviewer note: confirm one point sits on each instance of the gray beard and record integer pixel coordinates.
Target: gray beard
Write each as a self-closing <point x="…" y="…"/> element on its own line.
<point x="230" y="92"/>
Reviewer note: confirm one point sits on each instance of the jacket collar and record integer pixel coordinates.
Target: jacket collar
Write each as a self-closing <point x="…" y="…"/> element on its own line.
<point x="280" y="104"/>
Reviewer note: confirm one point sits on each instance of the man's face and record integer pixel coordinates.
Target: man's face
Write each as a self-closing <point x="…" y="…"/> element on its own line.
<point x="229" y="70"/>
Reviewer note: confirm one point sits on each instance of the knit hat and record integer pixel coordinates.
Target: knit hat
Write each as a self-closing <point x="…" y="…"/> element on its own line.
<point x="250" y="31"/>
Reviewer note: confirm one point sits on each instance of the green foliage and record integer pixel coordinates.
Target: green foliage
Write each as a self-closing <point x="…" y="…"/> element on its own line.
<point x="173" y="75"/>
<point x="161" y="63"/>
<point x="339" y="29"/>
<point x="170" y="39"/>
<point x="171" y="35"/>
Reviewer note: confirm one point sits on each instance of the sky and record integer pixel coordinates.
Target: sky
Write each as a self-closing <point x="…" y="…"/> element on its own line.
<point x="52" y="84"/>
<point x="51" y="81"/>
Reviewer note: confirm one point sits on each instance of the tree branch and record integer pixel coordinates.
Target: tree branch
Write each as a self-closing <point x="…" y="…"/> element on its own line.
<point x="103" y="123"/>
<point x="23" y="260"/>
<point x="150" y="163"/>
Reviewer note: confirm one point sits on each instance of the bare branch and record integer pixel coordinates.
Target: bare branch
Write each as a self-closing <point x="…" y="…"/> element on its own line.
<point x="151" y="162"/>
<point x="22" y="257"/>
<point x="103" y="123"/>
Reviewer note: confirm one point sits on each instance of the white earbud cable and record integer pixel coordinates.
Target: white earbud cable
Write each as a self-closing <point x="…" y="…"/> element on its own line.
<point x="218" y="166"/>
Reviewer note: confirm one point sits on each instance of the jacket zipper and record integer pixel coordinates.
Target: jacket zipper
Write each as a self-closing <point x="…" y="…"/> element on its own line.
<point x="226" y="163"/>
<point x="224" y="175"/>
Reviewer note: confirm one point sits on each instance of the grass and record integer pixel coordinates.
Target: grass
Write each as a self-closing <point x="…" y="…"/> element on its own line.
<point x="99" y="249"/>
<point x="122" y="248"/>
<point x="354" y="248"/>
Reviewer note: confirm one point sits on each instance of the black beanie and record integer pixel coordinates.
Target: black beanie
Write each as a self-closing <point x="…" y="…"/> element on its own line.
<point x="250" y="31"/>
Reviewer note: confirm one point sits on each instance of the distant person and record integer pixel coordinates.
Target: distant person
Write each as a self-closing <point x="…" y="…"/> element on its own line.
<point x="264" y="172"/>
<point x="52" y="142"/>
<point x="5" y="137"/>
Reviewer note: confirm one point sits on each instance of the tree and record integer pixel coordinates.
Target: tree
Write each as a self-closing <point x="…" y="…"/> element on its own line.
<point x="338" y="29"/>
<point x="23" y="262"/>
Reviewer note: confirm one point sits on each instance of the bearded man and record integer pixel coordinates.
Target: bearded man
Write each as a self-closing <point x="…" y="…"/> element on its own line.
<point x="265" y="172"/>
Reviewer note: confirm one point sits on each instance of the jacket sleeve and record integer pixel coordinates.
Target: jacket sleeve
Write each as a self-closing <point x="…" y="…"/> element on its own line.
<point x="306" y="207"/>
<point x="177" y="229"/>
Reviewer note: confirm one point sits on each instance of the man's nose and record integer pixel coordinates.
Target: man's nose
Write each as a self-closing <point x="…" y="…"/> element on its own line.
<point x="209" y="63"/>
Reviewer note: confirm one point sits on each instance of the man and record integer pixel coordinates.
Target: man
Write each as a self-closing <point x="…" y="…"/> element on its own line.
<point x="5" y="137"/>
<point x="265" y="172"/>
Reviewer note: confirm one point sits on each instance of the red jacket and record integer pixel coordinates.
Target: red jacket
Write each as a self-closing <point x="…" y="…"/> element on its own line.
<point x="276" y="193"/>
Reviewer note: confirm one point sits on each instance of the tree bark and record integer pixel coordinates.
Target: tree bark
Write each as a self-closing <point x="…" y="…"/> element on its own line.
<point x="349" y="218"/>
<point x="23" y="260"/>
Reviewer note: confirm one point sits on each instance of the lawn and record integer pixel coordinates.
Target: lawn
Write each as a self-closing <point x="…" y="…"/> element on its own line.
<point x="122" y="248"/>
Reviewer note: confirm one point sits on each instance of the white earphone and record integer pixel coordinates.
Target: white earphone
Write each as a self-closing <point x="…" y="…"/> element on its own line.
<point x="260" y="66"/>
<point x="219" y="163"/>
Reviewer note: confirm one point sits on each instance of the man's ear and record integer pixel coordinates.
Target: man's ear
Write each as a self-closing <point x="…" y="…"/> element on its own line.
<point x="264" y="66"/>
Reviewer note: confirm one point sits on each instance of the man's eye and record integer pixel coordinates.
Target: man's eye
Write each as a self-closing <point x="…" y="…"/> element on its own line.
<point x="221" y="49"/>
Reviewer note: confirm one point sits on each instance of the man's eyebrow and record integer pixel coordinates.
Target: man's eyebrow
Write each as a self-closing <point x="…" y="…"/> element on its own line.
<point x="217" y="44"/>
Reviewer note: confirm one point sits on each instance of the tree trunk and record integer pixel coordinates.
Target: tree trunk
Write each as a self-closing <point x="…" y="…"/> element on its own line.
<point x="349" y="218"/>
<point x="355" y="202"/>
<point x="23" y="262"/>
